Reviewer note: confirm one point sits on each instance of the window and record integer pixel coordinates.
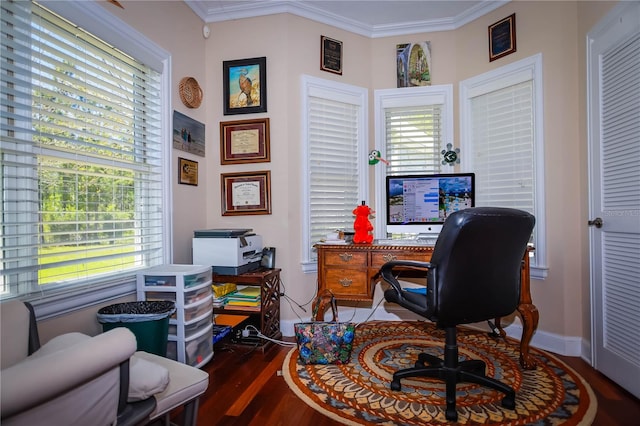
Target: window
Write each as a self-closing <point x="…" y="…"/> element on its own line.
<point x="82" y="161"/>
<point x="501" y="128"/>
<point x="334" y="157"/>
<point x="412" y="128"/>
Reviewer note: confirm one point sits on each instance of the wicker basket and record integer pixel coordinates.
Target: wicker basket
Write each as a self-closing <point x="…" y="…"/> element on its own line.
<point x="190" y="92"/>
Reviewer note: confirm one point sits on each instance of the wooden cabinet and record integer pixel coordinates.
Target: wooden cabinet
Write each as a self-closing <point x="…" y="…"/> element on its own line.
<point x="351" y="271"/>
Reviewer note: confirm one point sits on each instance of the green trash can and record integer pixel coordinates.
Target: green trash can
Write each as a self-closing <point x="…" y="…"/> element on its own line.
<point x="148" y="321"/>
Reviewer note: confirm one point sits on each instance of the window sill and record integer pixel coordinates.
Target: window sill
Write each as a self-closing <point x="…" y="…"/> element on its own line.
<point x="539" y="272"/>
<point x="54" y="305"/>
<point x="309" y="267"/>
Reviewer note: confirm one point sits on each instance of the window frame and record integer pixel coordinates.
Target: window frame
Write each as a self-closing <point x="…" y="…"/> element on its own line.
<point x="312" y="86"/>
<point x="119" y="34"/>
<point x="523" y="70"/>
<point x="405" y="97"/>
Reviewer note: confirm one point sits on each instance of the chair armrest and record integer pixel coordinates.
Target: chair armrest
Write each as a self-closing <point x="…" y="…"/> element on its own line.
<point x="40" y="378"/>
<point x="387" y="271"/>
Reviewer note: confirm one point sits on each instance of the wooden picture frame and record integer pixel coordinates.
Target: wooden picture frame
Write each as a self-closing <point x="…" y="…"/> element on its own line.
<point x="244" y="86"/>
<point x="502" y="38"/>
<point x="330" y="55"/>
<point x="244" y="141"/>
<point x="246" y="193"/>
<point x="187" y="172"/>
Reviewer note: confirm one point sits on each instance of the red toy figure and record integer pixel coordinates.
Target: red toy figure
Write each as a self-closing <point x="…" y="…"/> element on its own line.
<point x="361" y="225"/>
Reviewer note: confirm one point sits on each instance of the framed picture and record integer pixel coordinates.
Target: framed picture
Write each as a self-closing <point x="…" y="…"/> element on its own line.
<point x="330" y="55"/>
<point x="502" y="38"/>
<point x="244" y="141"/>
<point x="246" y="193"/>
<point x="413" y="64"/>
<point x="188" y="134"/>
<point x="245" y="86"/>
<point x="187" y="172"/>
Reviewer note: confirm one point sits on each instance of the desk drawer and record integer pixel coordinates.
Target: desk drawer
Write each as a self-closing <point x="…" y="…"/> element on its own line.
<point x="346" y="282"/>
<point x="379" y="258"/>
<point x="357" y="259"/>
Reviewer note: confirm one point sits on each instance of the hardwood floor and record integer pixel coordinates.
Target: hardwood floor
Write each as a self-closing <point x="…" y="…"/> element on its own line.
<point x="247" y="389"/>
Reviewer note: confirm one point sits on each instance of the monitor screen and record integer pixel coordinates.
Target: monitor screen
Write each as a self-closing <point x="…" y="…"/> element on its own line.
<point x="419" y="204"/>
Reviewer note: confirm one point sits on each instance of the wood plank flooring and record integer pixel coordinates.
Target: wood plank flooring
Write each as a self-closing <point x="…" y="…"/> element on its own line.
<point x="246" y="388"/>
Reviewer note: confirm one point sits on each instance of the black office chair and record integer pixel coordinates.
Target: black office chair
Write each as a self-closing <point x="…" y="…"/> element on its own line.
<point x="473" y="276"/>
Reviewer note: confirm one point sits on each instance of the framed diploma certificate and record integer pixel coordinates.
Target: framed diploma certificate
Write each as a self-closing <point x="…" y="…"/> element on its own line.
<point x="246" y="193"/>
<point x="244" y="141"/>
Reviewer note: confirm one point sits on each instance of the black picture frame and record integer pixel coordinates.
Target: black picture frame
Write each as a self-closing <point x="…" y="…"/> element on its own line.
<point x="502" y="37"/>
<point x="330" y="55"/>
<point x="236" y="73"/>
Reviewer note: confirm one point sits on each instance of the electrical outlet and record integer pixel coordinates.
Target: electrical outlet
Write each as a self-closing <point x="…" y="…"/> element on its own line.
<point x="248" y="332"/>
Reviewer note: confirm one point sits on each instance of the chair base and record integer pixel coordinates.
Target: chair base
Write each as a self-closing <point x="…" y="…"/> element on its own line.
<point x="452" y="371"/>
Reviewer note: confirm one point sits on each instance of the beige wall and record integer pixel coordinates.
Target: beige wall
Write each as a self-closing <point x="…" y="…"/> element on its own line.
<point x="291" y="44"/>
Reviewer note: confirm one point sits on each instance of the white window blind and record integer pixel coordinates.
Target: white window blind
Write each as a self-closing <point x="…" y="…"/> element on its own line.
<point x="80" y="157"/>
<point x="502" y="129"/>
<point x="412" y="128"/>
<point x="334" y="154"/>
<point x="413" y="139"/>
<point x="502" y="132"/>
<point x="333" y="159"/>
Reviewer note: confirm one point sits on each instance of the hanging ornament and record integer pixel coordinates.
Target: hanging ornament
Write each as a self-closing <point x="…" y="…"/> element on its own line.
<point x="450" y="156"/>
<point x="375" y="157"/>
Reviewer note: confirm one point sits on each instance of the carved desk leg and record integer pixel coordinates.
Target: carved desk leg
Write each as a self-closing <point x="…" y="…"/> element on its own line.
<point x="528" y="315"/>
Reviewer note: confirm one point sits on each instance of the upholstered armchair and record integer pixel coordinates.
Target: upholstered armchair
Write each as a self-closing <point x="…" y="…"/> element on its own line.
<point x="473" y="276"/>
<point x="75" y="379"/>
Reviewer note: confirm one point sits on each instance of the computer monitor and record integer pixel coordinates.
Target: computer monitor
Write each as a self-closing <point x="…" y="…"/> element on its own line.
<point x="419" y="204"/>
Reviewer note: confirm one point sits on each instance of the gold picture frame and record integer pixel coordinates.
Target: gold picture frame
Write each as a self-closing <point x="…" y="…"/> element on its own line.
<point x="245" y="141"/>
<point x="187" y="172"/>
<point x="246" y="193"/>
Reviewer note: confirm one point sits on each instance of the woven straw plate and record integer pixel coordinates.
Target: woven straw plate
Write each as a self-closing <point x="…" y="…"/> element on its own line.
<point x="190" y="92"/>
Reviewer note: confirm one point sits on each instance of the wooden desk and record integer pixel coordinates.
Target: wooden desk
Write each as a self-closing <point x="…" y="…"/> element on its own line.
<point x="351" y="272"/>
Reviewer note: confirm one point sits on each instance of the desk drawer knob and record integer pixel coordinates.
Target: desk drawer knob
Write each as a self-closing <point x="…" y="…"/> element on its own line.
<point x="389" y="257"/>
<point x="345" y="282"/>
<point x="346" y="256"/>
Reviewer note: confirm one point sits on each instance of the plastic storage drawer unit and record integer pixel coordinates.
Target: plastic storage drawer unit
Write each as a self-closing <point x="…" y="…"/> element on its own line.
<point x="190" y="333"/>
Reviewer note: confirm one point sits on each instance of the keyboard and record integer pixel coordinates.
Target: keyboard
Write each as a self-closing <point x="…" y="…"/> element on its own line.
<point x="407" y="242"/>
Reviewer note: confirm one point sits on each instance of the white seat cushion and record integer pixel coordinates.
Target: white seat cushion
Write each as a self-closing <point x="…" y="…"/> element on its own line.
<point x="185" y="384"/>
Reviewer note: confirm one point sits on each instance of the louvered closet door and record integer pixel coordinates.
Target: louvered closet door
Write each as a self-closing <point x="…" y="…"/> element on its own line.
<point x="614" y="148"/>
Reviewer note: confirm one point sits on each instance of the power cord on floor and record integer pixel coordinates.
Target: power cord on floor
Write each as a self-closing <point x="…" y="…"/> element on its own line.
<point x="246" y="332"/>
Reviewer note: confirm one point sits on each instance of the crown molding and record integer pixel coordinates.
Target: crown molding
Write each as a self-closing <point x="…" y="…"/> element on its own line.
<point x="212" y="12"/>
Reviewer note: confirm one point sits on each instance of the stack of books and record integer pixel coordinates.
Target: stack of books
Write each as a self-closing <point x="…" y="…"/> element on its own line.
<point x="220" y="293"/>
<point x="245" y="298"/>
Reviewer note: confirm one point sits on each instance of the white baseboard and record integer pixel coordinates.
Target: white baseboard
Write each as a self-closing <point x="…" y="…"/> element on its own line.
<point x="551" y="342"/>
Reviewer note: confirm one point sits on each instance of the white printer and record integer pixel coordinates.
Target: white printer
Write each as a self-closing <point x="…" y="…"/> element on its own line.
<point x="228" y="251"/>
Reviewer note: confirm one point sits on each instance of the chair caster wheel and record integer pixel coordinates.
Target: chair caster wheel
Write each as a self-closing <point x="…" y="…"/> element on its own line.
<point x="509" y="402"/>
<point x="395" y="385"/>
<point x="451" y="414"/>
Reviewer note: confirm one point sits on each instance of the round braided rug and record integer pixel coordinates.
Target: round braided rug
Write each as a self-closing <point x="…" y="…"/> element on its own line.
<point x="358" y="393"/>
